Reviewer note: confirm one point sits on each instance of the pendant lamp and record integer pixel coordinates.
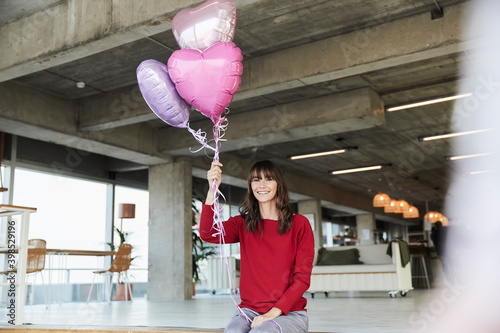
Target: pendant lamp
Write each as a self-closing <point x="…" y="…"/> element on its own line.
<point x="433" y="216"/>
<point x="391" y="207"/>
<point x="411" y="213"/>
<point x="381" y="200"/>
<point x="444" y="221"/>
<point x="401" y="206"/>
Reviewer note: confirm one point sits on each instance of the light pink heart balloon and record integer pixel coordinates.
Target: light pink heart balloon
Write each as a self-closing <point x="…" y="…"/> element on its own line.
<point x="207" y="80"/>
<point x="200" y="27"/>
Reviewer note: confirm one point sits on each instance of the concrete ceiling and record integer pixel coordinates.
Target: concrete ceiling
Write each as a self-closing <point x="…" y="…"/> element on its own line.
<point x="299" y="57"/>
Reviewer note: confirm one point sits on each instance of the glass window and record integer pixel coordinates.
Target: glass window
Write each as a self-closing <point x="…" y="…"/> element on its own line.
<point x="137" y="229"/>
<point x="71" y="214"/>
<point x="2" y="176"/>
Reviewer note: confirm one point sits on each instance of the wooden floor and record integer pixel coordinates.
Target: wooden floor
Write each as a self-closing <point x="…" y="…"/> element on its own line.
<point x="340" y="312"/>
<point x="109" y="330"/>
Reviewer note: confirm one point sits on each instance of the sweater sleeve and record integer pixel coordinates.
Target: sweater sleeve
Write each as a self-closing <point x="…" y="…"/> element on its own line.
<point x="303" y="266"/>
<point x="209" y="234"/>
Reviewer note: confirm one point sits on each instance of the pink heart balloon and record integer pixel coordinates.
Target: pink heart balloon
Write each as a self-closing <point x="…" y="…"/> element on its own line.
<point x="200" y="27"/>
<point x="207" y="80"/>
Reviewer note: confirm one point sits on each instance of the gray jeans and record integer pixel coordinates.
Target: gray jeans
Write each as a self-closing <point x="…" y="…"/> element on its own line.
<point x="293" y="322"/>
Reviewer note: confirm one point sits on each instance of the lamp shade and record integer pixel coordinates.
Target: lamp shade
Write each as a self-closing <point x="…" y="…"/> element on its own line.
<point x="433" y="216"/>
<point x="381" y="200"/>
<point x="444" y="221"/>
<point x="411" y="213"/>
<point x="391" y="207"/>
<point x="401" y="206"/>
<point x="126" y="211"/>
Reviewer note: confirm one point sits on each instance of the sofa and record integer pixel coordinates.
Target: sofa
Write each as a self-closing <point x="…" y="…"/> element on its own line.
<point x="362" y="268"/>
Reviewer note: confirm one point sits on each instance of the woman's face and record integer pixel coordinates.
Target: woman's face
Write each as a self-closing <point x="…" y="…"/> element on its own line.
<point x="264" y="188"/>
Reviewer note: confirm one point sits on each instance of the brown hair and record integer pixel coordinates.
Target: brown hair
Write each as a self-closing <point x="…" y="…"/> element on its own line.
<point x="249" y="208"/>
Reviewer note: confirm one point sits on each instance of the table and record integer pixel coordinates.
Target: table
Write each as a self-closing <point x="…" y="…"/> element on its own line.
<point x="22" y="245"/>
<point x="63" y="254"/>
<point x="93" y="253"/>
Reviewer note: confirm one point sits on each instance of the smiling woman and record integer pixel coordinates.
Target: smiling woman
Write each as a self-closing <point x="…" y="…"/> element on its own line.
<point x="271" y="290"/>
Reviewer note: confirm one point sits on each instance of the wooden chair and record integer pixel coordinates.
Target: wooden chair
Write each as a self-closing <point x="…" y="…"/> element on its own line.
<point x="37" y="249"/>
<point x="120" y="265"/>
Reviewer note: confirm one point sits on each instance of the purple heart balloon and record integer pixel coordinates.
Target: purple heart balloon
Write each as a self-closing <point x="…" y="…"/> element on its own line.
<point x="159" y="92"/>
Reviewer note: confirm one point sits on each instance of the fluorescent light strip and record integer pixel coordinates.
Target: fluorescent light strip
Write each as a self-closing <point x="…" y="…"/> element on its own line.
<point x="480" y="172"/>
<point x="462" y="157"/>
<point x="340" y="172"/>
<point x="325" y="153"/>
<point x="433" y="101"/>
<point x="452" y="135"/>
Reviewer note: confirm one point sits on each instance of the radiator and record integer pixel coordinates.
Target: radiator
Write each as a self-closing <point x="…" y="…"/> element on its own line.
<point x="219" y="276"/>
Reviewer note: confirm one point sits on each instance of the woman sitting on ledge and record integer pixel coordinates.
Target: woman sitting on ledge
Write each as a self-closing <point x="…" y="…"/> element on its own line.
<point x="277" y="253"/>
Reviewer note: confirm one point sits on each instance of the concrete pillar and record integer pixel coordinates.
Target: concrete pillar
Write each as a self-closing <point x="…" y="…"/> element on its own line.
<point x="312" y="210"/>
<point x="170" y="239"/>
<point x="365" y="225"/>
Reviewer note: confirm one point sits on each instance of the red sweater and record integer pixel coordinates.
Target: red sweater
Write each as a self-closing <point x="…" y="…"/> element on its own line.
<point x="275" y="269"/>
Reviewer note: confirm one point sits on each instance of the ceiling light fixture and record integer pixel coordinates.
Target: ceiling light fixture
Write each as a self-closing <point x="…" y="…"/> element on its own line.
<point x="381" y="200"/>
<point x="401" y="206"/>
<point x="341" y="172"/>
<point x="444" y="221"/>
<point x="480" y="172"/>
<point x="411" y="213"/>
<point x="80" y="84"/>
<point x="325" y="153"/>
<point x="433" y="216"/>
<point x="463" y="157"/>
<point x="433" y="101"/>
<point x="450" y="135"/>
<point x="391" y="207"/>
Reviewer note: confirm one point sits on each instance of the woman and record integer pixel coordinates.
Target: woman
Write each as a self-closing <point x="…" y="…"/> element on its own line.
<point x="277" y="252"/>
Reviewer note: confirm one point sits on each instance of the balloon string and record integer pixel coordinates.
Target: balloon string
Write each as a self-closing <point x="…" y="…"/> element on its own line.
<point x="201" y="137"/>
<point x="219" y="130"/>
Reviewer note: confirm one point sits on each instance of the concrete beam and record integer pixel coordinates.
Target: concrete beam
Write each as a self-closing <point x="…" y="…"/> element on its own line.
<point x="353" y="110"/>
<point x="75" y="29"/>
<point x="30" y="113"/>
<point x="376" y="48"/>
<point x="114" y="110"/>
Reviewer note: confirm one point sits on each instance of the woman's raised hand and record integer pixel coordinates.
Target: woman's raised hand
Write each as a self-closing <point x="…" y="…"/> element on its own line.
<point x="215" y="172"/>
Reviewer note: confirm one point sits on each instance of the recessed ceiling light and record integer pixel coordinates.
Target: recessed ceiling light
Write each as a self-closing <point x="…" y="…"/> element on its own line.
<point x="433" y="101"/>
<point x="80" y="84"/>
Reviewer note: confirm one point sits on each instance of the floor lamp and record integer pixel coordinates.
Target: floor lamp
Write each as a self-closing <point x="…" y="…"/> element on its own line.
<point x="125" y="211"/>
